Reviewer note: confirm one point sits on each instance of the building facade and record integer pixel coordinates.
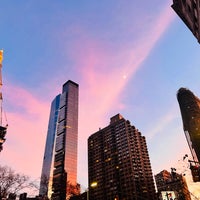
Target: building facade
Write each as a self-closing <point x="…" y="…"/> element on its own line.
<point x="162" y="179"/>
<point x="189" y="12"/>
<point x="190" y="110"/>
<point x="118" y="163"/>
<point x="167" y="183"/>
<point x="65" y="160"/>
<point x="49" y="147"/>
<point x="59" y="170"/>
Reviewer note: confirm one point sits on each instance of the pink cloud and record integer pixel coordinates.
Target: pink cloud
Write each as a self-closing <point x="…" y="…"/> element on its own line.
<point x="102" y="85"/>
<point x="27" y="119"/>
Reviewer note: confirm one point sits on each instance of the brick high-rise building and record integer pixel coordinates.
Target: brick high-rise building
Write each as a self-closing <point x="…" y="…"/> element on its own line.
<point x="173" y="181"/>
<point x="118" y="163"/>
<point x="190" y="111"/>
<point x="161" y="179"/>
<point x="189" y="12"/>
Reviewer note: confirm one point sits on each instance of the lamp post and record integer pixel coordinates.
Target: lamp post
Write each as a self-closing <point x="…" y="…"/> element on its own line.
<point x="92" y="186"/>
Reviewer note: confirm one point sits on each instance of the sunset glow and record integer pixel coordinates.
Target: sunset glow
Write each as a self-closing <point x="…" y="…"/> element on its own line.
<point x="127" y="57"/>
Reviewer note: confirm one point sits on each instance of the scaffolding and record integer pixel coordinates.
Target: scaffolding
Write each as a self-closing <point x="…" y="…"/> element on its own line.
<point x="3" y="129"/>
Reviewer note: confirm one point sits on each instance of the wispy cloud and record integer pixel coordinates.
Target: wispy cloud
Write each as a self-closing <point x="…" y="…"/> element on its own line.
<point x="163" y="123"/>
<point x="102" y="76"/>
<point x="27" y="120"/>
<point x="102" y="85"/>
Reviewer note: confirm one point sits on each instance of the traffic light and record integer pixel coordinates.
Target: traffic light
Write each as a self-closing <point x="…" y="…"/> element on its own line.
<point x="3" y="131"/>
<point x="195" y="171"/>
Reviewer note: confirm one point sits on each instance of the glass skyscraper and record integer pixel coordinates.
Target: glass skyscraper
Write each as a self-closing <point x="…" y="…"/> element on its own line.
<point x="65" y="160"/>
<point x="118" y="163"/>
<point x="62" y="141"/>
<point x="48" y="154"/>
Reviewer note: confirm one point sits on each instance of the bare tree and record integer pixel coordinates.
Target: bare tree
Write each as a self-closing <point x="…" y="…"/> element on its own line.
<point x="11" y="182"/>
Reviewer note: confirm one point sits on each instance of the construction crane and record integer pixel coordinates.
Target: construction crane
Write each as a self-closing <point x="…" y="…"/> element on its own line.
<point x="3" y="129"/>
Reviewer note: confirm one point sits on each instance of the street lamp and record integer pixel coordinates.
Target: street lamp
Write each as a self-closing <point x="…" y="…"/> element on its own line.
<point x="92" y="185"/>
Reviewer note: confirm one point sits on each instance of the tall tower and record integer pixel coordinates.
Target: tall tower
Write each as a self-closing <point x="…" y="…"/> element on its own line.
<point x="65" y="160"/>
<point x="118" y="163"/>
<point x="48" y="154"/>
<point x="190" y="111"/>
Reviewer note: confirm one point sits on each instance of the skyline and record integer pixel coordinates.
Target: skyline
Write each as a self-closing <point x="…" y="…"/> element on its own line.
<point x="141" y="53"/>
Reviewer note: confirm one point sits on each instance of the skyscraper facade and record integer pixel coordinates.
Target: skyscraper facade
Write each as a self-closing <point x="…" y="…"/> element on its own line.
<point x="189" y="12"/>
<point x="65" y="160"/>
<point x="190" y="111"/>
<point x="59" y="168"/>
<point x="173" y="181"/>
<point x="48" y="154"/>
<point x="118" y="163"/>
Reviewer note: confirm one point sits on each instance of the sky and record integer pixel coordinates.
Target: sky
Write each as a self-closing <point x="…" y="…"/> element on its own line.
<point x="128" y="57"/>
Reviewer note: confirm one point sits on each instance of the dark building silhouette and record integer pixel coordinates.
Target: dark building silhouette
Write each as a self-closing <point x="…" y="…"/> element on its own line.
<point x="118" y="163"/>
<point x="189" y="12"/>
<point x="12" y="196"/>
<point x="190" y="111"/>
<point x="83" y="196"/>
<point x="173" y="181"/>
<point x="23" y="196"/>
<point x="59" y="172"/>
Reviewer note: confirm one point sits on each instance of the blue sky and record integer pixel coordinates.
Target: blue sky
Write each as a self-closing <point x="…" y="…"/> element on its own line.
<point x="129" y="57"/>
